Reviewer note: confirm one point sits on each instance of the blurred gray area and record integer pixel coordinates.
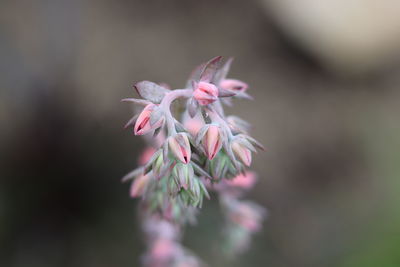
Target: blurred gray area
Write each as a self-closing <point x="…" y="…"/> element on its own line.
<point x="325" y="78"/>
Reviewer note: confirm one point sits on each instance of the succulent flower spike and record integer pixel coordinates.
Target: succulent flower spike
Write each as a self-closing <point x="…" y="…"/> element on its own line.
<point x="242" y="152"/>
<point x="192" y="145"/>
<point x="212" y="141"/>
<point x="234" y="85"/>
<point x="144" y="122"/>
<point x="205" y="93"/>
<point x="180" y="147"/>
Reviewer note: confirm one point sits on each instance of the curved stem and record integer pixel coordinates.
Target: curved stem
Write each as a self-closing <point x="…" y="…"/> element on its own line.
<point x="166" y="105"/>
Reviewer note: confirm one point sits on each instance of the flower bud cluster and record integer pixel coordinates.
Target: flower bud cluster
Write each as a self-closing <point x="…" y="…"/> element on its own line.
<point x="195" y="146"/>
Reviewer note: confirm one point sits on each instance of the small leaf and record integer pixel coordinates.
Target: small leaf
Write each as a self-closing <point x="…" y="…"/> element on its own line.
<point x="244" y="95"/>
<point x="193" y="106"/>
<point x="200" y="171"/>
<point x="132" y="174"/>
<point x="164" y="170"/>
<point x="254" y="142"/>
<point x="151" y="91"/>
<point x="195" y="75"/>
<point x="148" y="165"/>
<point x="157" y="131"/>
<point x="223" y="71"/>
<point x="131" y="122"/>
<point x="246" y="143"/>
<point x="179" y="127"/>
<point x="201" y="134"/>
<point x="136" y="101"/>
<point x="210" y="69"/>
<point x="204" y="189"/>
<point x="225" y="93"/>
<point x="232" y="157"/>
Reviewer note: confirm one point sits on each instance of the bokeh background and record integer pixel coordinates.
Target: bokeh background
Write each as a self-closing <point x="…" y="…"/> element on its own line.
<point x="325" y="76"/>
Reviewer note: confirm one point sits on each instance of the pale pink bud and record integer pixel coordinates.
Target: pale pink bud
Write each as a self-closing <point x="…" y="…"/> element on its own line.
<point x="193" y="125"/>
<point x="180" y="147"/>
<point x="142" y="125"/>
<point x="242" y="152"/>
<point x="248" y="217"/>
<point x="163" y="249"/>
<point x="146" y="155"/>
<point x="234" y="85"/>
<point x="212" y="141"/>
<point x="205" y="93"/>
<point x="139" y="185"/>
<point x="245" y="181"/>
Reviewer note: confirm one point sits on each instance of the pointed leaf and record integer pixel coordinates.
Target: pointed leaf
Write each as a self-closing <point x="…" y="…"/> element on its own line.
<point x="254" y="142"/>
<point x="201" y="134"/>
<point x="210" y="69"/>
<point x="136" y="101"/>
<point x="204" y="189"/>
<point x="151" y="91"/>
<point x="200" y="171"/>
<point x="247" y="144"/>
<point x="193" y="106"/>
<point x="223" y="71"/>
<point x="179" y="127"/>
<point x="131" y="122"/>
<point x="157" y="131"/>
<point x="244" y="95"/>
<point x="195" y="75"/>
<point x="225" y="93"/>
<point x="148" y="165"/>
<point x="132" y="174"/>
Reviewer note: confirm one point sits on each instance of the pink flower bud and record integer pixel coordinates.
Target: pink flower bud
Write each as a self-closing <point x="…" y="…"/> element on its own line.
<point x="245" y="181"/>
<point x="212" y="141"/>
<point x="205" y="93"/>
<point x="193" y="125"/>
<point x="139" y="185"/>
<point x="242" y="152"/>
<point x="142" y="125"/>
<point x="146" y="155"/>
<point x="180" y="147"/>
<point x="248" y="217"/>
<point x="234" y="85"/>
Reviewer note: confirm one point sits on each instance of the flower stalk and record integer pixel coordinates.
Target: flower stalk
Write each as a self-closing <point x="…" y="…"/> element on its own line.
<point x="197" y="150"/>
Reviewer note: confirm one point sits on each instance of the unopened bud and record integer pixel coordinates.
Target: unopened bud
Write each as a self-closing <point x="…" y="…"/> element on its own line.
<point x="242" y="152"/>
<point x="143" y="123"/>
<point x="205" y="93"/>
<point x="180" y="147"/>
<point x="212" y="141"/>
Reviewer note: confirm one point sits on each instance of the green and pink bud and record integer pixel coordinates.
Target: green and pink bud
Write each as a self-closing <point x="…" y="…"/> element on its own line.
<point x="205" y="93"/>
<point x="242" y="152"/>
<point x="148" y="120"/>
<point x="212" y="142"/>
<point x="180" y="147"/>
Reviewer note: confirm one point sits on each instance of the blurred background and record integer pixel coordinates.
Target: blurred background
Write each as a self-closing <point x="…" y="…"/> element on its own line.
<point x="325" y="76"/>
